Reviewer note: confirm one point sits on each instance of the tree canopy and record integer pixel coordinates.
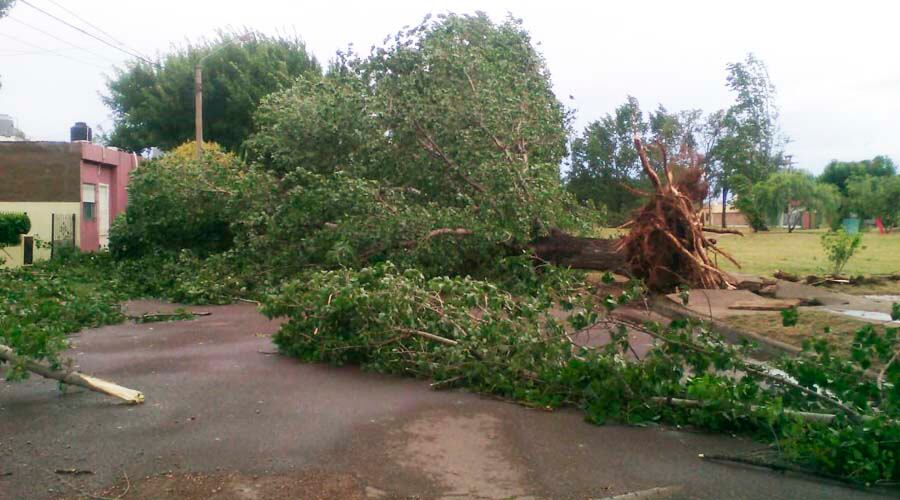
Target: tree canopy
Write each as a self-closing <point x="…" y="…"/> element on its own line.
<point x="439" y="149"/>
<point x="749" y="145"/>
<point x="153" y="105"/>
<point x="871" y="196"/>
<point x="839" y="173"/>
<point x="790" y="191"/>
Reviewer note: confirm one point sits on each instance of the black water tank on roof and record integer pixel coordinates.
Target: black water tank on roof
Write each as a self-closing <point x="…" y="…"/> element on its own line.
<point x="80" y="132"/>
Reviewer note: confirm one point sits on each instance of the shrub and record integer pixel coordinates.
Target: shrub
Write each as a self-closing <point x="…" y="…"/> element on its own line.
<point x="12" y="226"/>
<point x="178" y="202"/>
<point x="839" y="247"/>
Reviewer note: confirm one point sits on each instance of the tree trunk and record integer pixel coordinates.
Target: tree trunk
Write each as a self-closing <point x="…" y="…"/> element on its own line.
<point x="598" y="254"/>
<point x="724" y="204"/>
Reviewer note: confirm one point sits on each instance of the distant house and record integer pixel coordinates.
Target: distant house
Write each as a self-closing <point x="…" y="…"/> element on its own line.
<point x="71" y="191"/>
<point x="798" y="216"/>
<point x="712" y="216"/>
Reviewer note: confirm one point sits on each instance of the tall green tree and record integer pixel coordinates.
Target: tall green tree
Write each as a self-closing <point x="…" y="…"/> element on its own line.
<point x="153" y="105"/>
<point x="749" y="143"/>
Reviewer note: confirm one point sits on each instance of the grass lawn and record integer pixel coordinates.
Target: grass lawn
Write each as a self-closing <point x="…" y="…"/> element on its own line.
<point x="810" y="324"/>
<point x="801" y="253"/>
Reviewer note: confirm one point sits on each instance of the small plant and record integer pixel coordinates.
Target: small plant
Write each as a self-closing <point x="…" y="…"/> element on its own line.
<point x="839" y="247"/>
<point x="895" y="311"/>
<point x="789" y="317"/>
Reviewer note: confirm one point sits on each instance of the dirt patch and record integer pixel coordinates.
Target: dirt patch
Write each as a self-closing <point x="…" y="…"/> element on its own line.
<point x="234" y="486"/>
<point x="810" y="325"/>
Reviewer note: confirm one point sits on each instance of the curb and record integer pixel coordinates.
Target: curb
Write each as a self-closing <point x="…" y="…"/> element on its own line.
<point x="768" y="348"/>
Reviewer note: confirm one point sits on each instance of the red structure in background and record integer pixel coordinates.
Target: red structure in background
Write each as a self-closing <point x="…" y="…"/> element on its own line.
<point x="106" y="172"/>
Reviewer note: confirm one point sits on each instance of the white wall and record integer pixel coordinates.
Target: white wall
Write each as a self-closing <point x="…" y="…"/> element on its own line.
<point x="41" y="215"/>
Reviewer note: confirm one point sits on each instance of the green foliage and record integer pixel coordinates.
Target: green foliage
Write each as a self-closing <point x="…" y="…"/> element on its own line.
<point x="895" y="311"/>
<point x="746" y="201"/>
<point x="40" y="305"/>
<point x="451" y="127"/>
<point x="178" y="202"/>
<point x="791" y="191"/>
<point x="604" y="162"/>
<point x="153" y="105"/>
<point x="789" y="316"/>
<point x="870" y="196"/>
<point x="839" y="173"/>
<point x="12" y="227"/>
<point x="604" y="159"/>
<point x="839" y="247"/>
<point x="747" y="140"/>
<point x="464" y="332"/>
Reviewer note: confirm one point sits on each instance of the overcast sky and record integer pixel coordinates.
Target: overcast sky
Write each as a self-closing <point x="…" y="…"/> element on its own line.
<point x="836" y="65"/>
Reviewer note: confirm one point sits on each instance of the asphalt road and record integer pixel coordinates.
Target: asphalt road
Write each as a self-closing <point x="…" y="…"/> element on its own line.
<point x="224" y="418"/>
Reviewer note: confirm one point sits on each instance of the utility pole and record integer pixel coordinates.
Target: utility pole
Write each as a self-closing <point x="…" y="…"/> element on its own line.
<point x="198" y="91"/>
<point x="198" y="109"/>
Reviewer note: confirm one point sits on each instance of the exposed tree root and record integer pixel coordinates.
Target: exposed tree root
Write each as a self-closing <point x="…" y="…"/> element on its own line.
<point x="666" y="246"/>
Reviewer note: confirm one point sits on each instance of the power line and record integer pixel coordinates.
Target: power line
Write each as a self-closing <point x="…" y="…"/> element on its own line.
<point x="51" y="35"/>
<point x="51" y="51"/>
<point x="95" y="37"/>
<point x="85" y="21"/>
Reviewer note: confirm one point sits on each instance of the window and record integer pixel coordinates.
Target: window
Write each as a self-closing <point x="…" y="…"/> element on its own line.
<point x="88" y="201"/>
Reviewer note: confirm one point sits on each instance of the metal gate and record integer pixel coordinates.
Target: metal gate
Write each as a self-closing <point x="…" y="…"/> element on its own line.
<point x="62" y="235"/>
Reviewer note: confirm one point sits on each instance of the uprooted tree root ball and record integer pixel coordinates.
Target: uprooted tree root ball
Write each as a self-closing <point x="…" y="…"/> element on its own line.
<point x="666" y="246"/>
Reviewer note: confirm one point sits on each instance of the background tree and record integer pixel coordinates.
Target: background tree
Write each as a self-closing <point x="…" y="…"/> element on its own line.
<point x="785" y="193"/>
<point x="839" y="173"/>
<point x="748" y="142"/>
<point x="153" y="105"/>
<point x="604" y="161"/>
<point x="872" y="196"/>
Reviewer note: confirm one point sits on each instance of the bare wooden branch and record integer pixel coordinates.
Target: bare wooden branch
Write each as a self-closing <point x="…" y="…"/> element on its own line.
<point x="645" y="162"/>
<point x="130" y="396"/>
<point x="722" y="231"/>
<point x="429" y="336"/>
<point x="824" y="418"/>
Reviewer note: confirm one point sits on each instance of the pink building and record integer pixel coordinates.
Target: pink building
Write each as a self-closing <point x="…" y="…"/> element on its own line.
<point x="71" y="191"/>
<point x="104" y="178"/>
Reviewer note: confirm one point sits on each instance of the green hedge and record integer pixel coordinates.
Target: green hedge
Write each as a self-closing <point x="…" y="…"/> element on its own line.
<point x="12" y="226"/>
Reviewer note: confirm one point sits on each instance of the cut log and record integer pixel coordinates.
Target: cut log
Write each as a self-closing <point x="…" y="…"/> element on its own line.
<point x="130" y="396"/>
<point x="562" y="249"/>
